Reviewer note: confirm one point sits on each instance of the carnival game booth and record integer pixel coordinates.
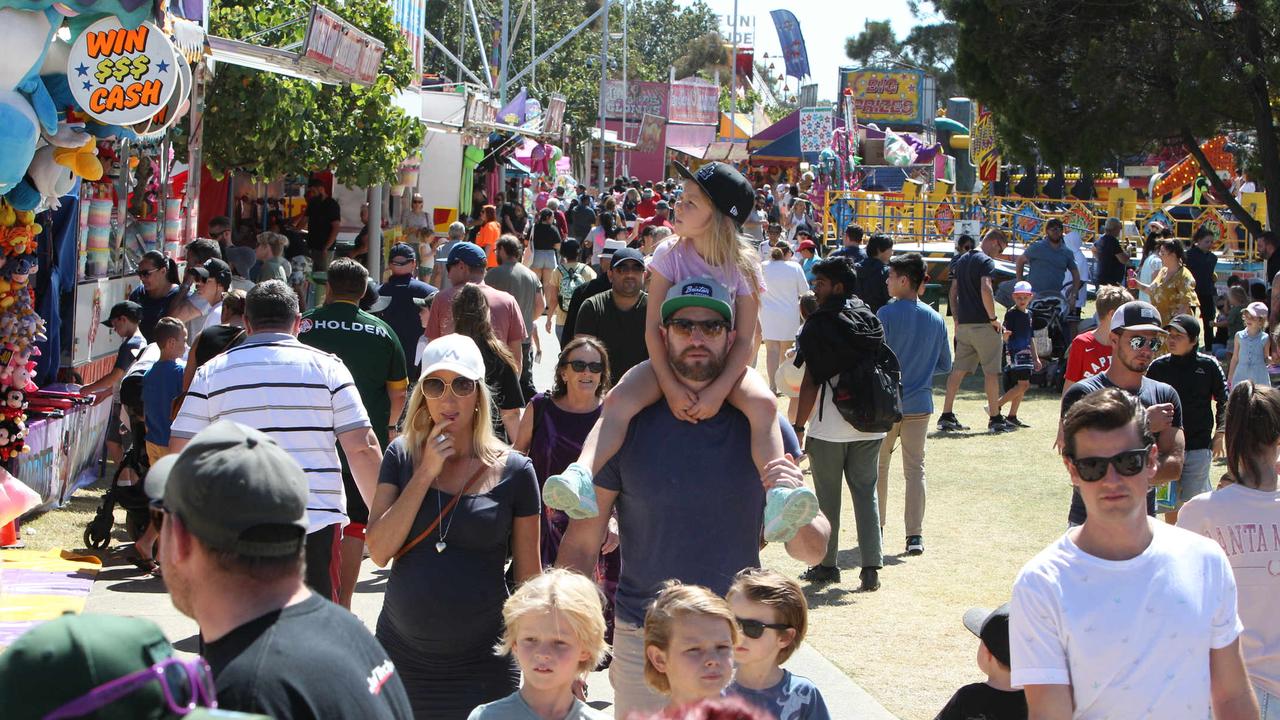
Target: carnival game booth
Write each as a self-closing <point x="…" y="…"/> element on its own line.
<point x="87" y="98"/>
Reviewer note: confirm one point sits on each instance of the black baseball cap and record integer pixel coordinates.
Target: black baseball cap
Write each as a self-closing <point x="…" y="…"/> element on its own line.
<point x="1137" y="316"/>
<point x="402" y="250"/>
<point x="1185" y="324"/>
<point x="124" y="308"/>
<point x="624" y="254"/>
<point x="992" y="628"/>
<point x="214" y="268"/>
<point x="236" y="490"/>
<point x="729" y="190"/>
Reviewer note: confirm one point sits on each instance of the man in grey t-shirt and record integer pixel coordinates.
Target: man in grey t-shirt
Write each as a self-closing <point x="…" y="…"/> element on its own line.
<point x="671" y="484"/>
<point x="522" y="284"/>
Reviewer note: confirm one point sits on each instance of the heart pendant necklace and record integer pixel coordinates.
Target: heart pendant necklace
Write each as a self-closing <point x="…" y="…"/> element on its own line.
<point x="442" y="528"/>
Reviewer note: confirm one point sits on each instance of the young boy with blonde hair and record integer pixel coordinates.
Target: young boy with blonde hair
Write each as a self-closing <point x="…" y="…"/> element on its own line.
<point x="689" y="637"/>
<point x="555" y="629"/>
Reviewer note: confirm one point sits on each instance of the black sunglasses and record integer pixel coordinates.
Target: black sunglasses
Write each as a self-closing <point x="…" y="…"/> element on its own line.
<point x="1154" y="343"/>
<point x="146" y="273"/>
<point x="583" y="366"/>
<point x="754" y="628"/>
<point x="1127" y="463"/>
<point x="709" y="328"/>
<point x="433" y="388"/>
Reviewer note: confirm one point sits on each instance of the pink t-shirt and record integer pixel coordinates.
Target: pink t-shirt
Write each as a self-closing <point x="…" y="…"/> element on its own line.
<point x="682" y="262"/>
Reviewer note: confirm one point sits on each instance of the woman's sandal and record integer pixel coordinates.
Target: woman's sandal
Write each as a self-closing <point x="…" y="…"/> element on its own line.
<point x="147" y="565"/>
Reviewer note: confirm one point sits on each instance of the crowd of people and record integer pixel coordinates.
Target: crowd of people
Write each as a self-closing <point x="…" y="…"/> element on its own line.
<point x="534" y="536"/>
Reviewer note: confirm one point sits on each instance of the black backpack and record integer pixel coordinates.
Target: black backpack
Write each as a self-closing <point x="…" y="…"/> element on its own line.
<point x="844" y="350"/>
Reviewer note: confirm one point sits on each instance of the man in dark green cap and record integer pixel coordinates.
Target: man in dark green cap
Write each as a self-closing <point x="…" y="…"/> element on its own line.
<point x="233" y="531"/>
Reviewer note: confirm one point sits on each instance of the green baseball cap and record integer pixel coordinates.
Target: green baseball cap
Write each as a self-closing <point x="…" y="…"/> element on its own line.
<point x="236" y="490"/>
<point x="698" y="292"/>
<point x="63" y="659"/>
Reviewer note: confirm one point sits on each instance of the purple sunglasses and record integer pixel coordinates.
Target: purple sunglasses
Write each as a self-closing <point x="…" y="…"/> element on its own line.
<point x="170" y="673"/>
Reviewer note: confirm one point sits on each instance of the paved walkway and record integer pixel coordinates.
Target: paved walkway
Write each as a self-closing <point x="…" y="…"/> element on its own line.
<point x="119" y="591"/>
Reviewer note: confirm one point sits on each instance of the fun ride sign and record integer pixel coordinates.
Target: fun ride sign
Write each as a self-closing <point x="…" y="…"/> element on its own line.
<point x="121" y="76"/>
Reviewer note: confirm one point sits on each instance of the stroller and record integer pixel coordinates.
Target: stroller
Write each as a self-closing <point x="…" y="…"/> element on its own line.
<point x="133" y="496"/>
<point x="1049" y="333"/>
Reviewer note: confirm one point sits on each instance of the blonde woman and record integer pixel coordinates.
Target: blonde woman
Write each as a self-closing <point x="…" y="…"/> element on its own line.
<point x="452" y="503"/>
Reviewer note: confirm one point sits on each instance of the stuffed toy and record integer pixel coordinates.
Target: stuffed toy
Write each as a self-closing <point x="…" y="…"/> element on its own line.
<point x="14" y="403"/>
<point x="12" y="438"/>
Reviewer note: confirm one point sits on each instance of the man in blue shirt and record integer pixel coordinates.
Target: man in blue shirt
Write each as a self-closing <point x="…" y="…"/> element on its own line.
<point x="1050" y="262"/>
<point x="852" y="245"/>
<point x="918" y="336"/>
<point x="670" y="482"/>
<point x="403" y="287"/>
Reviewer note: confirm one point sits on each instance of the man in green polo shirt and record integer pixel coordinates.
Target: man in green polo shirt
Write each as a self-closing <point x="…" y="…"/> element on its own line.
<point x="369" y="348"/>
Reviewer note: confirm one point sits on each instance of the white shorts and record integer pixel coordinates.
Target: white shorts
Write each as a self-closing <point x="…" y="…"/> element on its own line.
<point x="544" y="259"/>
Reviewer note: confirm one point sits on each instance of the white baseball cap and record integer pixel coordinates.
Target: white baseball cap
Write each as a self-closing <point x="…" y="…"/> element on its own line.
<point x="1021" y="287"/>
<point x="456" y="353"/>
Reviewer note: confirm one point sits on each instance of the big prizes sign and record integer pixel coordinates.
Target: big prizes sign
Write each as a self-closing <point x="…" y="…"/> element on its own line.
<point x="121" y="76"/>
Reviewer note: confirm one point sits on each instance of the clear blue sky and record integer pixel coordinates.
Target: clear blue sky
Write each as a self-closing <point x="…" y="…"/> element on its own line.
<point x="825" y="24"/>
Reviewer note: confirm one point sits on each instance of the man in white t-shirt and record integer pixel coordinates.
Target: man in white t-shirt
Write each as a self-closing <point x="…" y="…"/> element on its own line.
<point x="1125" y="616"/>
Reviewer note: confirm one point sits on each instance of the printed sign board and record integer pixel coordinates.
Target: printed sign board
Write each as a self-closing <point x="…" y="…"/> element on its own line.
<point x="983" y="150"/>
<point x="886" y="96"/>
<point x="335" y="43"/>
<point x="120" y="76"/>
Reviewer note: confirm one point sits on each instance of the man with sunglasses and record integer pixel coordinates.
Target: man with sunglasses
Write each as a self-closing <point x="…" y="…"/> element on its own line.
<point x="1137" y="336"/>
<point x="232" y="510"/>
<point x="616" y="316"/>
<point x="689" y="499"/>
<point x="1125" y="616"/>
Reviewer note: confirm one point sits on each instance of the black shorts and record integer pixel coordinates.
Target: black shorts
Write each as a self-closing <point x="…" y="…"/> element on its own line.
<point x="1019" y="373"/>
<point x="356" y="509"/>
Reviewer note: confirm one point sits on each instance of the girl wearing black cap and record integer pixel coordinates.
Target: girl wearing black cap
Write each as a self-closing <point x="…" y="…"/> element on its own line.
<point x="711" y="209"/>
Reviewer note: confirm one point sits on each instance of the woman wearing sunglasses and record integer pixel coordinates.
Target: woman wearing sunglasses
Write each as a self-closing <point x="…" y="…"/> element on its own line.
<point x="555" y="424"/>
<point x="452" y="503"/>
<point x="1249" y="500"/>
<point x="158" y="287"/>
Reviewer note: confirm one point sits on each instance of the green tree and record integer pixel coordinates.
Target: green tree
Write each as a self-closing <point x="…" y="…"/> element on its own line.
<point x="270" y="125"/>
<point x="1085" y="84"/>
<point x="929" y="47"/>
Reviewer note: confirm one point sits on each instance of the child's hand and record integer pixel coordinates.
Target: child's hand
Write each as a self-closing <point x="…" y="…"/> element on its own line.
<point x="1039" y="365"/>
<point x="681" y="399"/>
<point x="708" y="405"/>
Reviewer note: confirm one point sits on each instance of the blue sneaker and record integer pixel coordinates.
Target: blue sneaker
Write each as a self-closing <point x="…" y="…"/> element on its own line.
<point x="572" y="492"/>
<point x="786" y="510"/>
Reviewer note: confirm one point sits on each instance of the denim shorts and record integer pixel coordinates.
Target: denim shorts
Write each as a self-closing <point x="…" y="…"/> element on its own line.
<point x="544" y="259"/>
<point x="1196" y="465"/>
<point x="1268" y="704"/>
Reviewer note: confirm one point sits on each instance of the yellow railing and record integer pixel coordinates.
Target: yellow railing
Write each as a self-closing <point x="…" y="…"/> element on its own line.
<point x="920" y="216"/>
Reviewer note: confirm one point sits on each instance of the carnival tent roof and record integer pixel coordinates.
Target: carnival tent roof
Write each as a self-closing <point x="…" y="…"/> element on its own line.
<point x="788" y="124"/>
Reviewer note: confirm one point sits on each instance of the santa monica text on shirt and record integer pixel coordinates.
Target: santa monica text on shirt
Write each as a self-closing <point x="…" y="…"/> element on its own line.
<point x="1246" y="538"/>
<point x="344" y="325"/>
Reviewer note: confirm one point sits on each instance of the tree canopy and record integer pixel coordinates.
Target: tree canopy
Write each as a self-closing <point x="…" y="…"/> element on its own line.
<point x="270" y="125"/>
<point x="1086" y="83"/>
<point x="930" y="47"/>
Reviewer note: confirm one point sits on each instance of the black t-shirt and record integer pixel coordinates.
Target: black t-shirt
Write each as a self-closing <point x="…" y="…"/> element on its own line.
<point x="546" y="236"/>
<point x="153" y="308"/>
<point x="310" y="660"/>
<point x="1203" y="266"/>
<point x="1110" y="269"/>
<point x="514" y="216"/>
<point x="215" y="340"/>
<point x="128" y="352"/>
<point x="1151" y="392"/>
<point x="980" y="701"/>
<point x="504" y="385"/>
<point x="1201" y="384"/>
<point x="967" y="274"/>
<point x="321" y="212"/>
<point x="621" y="331"/>
<point x="873" y="286"/>
<point x="584" y="293"/>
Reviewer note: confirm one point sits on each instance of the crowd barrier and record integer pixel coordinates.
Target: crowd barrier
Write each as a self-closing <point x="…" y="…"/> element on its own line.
<point x="921" y="216"/>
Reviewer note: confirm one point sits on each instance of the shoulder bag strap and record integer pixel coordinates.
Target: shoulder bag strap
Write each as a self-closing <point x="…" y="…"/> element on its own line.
<point x="447" y="508"/>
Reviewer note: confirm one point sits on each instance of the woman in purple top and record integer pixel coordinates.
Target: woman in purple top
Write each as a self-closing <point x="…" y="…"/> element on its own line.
<point x="552" y="430"/>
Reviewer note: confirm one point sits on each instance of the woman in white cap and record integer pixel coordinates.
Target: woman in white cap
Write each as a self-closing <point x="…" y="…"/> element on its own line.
<point x="452" y="503"/>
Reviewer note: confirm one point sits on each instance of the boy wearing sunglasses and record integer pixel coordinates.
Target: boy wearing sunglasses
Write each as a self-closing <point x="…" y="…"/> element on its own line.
<point x="772" y="616"/>
<point x="1137" y="338"/>
<point x="1125" y="616"/>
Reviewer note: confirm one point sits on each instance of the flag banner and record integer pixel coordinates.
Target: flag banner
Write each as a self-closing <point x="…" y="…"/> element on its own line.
<point x="794" y="52"/>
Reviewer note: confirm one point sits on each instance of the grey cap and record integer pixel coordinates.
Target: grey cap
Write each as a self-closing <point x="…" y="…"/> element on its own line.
<point x="698" y="292"/>
<point x="235" y="489"/>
